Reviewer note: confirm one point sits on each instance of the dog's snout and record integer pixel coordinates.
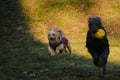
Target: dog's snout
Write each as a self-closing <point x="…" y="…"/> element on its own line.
<point x="51" y="38"/>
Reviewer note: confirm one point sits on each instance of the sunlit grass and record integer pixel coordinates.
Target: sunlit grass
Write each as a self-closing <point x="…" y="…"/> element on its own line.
<point x="114" y="51"/>
<point x="70" y="16"/>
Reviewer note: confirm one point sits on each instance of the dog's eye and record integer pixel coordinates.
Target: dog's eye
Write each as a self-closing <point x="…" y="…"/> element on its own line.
<point x="48" y="34"/>
<point x="53" y="34"/>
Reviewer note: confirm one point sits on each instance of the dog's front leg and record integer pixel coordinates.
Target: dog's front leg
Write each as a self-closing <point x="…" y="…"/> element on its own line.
<point x="52" y="52"/>
<point x="94" y="56"/>
<point x="60" y="47"/>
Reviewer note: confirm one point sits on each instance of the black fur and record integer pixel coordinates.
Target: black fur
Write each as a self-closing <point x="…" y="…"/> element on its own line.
<point x="98" y="48"/>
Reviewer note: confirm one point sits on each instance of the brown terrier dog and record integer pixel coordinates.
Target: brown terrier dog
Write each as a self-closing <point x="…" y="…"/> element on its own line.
<point x="57" y="42"/>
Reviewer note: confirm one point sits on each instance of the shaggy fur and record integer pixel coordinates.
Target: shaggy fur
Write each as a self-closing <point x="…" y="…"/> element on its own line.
<point x="98" y="48"/>
<point x="57" y="42"/>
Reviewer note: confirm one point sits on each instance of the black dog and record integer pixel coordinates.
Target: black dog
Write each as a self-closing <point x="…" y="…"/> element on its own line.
<point x="98" y="48"/>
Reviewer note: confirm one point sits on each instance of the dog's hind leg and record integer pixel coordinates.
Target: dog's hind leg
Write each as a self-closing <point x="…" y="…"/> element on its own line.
<point x="103" y="61"/>
<point x="64" y="49"/>
<point x="103" y="58"/>
<point x="69" y="47"/>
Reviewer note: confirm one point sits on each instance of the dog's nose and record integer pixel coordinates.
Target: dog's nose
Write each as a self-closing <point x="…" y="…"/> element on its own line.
<point x="51" y="38"/>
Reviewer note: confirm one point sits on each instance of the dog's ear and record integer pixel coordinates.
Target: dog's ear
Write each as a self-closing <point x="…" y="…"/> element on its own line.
<point x="100" y="22"/>
<point x="89" y="21"/>
<point x="61" y="33"/>
<point x="57" y="37"/>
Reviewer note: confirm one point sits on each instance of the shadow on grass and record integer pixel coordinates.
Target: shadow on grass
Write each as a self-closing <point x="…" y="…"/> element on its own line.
<point x="18" y="50"/>
<point x="23" y="58"/>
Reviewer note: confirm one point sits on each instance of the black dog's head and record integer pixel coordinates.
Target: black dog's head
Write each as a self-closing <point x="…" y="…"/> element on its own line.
<point x="94" y="24"/>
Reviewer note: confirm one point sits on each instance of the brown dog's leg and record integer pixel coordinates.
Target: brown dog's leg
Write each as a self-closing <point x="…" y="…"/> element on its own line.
<point x="69" y="47"/>
<point x="60" y="47"/>
<point x="65" y="50"/>
<point x="52" y="52"/>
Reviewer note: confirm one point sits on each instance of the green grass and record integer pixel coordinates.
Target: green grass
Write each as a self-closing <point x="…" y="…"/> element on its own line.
<point x="31" y="61"/>
<point x="23" y="40"/>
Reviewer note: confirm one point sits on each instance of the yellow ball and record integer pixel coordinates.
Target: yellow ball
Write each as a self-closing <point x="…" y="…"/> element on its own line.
<point x="100" y="34"/>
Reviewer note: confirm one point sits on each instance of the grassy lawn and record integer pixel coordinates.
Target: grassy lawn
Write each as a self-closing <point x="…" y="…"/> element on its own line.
<point x="30" y="60"/>
<point x="23" y="39"/>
